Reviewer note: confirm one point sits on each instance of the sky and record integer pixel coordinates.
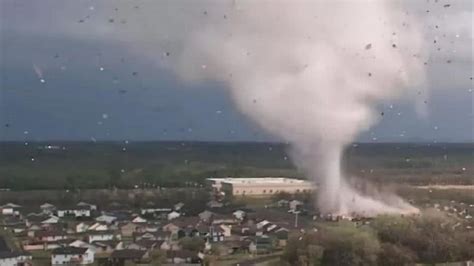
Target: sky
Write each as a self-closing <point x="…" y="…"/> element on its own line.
<point x="88" y="70"/>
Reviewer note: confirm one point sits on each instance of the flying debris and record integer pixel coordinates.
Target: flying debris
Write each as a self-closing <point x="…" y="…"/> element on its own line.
<point x="368" y="46"/>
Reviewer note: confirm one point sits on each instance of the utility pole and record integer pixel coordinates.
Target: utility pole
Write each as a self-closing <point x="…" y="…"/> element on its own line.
<point x="296" y="218"/>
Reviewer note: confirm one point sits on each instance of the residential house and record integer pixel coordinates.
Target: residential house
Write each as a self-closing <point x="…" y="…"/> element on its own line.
<point x="107" y="247"/>
<point x="10" y="209"/>
<point x="81" y="227"/>
<point x="47" y="208"/>
<point x="173" y="215"/>
<point x="103" y="236"/>
<point x="122" y="256"/>
<point x="89" y="206"/>
<point x="77" y="212"/>
<point x="50" y="236"/>
<point x="72" y="256"/>
<point x="261" y="245"/>
<point x="40" y="218"/>
<point x="283" y="203"/>
<point x="106" y="218"/>
<point x="206" y="215"/>
<point x="295" y="205"/>
<point x="178" y="206"/>
<point x="15" y="258"/>
<point x="128" y="229"/>
<point x="162" y="235"/>
<point x="182" y="257"/>
<point x="216" y="234"/>
<point x="215" y="204"/>
<point x="239" y="214"/>
<point x="145" y="244"/>
<point x="139" y="220"/>
<point x="98" y="227"/>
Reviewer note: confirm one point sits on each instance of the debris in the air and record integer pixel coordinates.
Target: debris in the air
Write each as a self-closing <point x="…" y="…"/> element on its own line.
<point x="111" y="20"/>
<point x="105" y="116"/>
<point x="122" y="91"/>
<point x="447" y="5"/>
<point x="167" y="53"/>
<point x="394" y="45"/>
<point x="448" y="61"/>
<point x="205" y="12"/>
<point x="382" y="113"/>
<point x="7" y="125"/>
<point x="134" y="73"/>
<point x="368" y="46"/>
<point x="101" y="69"/>
<point x="370" y="74"/>
<point x="81" y="21"/>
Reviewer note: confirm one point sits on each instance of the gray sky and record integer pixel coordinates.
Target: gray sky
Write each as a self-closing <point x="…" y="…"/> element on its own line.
<point x="97" y="87"/>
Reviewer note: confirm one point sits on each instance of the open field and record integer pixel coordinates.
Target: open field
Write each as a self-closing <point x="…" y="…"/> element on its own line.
<point x="173" y="164"/>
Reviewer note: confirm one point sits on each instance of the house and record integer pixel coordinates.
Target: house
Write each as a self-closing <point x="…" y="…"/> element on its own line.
<point x="89" y="206"/>
<point x="128" y="229"/>
<point x="152" y="209"/>
<point x="238" y="214"/>
<point x="205" y="215"/>
<point x="81" y="227"/>
<point x="214" y="204"/>
<point x="50" y="236"/>
<point x="47" y="208"/>
<point x="173" y="215"/>
<point x="106" y="218"/>
<point x="72" y="256"/>
<point x="103" y="236"/>
<point x="171" y="227"/>
<point x="40" y="218"/>
<point x="182" y="257"/>
<point x="145" y="244"/>
<point x="178" y="206"/>
<point x="216" y="234"/>
<point x="283" y="203"/>
<point x="107" y="247"/>
<point x="10" y="209"/>
<point x="122" y="256"/>
<point x="152" y="236"/>
<point x="295" y="205"/>
<point x="261" y="244"/>
<point x="80" y="244"/>
<point x="78" y="212"/>
<point x="98" y="227"/>
<point x="139" y="220"/>
<point x="15" y="258"/>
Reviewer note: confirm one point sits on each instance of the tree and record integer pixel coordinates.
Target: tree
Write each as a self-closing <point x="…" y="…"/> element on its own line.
<point x="192" y="243"/>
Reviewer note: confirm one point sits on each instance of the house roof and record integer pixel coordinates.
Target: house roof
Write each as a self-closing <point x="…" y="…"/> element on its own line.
<point x="69" y="251"/>
<point x="132" y="254"/>
<point x="11" y="205"/>
<point x="49" y="233"/>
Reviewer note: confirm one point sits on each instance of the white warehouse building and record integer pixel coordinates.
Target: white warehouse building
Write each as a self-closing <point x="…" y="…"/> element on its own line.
<point x="259" y="186"/>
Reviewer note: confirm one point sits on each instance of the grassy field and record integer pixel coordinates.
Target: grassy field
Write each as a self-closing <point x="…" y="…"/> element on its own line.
<point x="172" y="164"/>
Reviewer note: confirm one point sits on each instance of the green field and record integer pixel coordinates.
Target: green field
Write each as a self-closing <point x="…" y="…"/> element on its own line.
<point x="173" y="164"/>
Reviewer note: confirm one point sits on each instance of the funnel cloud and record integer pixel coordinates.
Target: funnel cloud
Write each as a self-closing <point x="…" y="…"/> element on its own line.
<point x="312" y="73"/>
